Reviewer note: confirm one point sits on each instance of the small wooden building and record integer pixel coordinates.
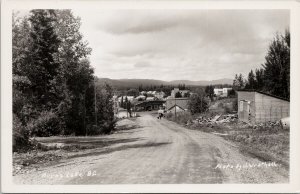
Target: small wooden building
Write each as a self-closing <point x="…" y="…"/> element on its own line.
<point x="149" y="105"/>
<point x="181" y="102"/>
<point x="259" y="107"/>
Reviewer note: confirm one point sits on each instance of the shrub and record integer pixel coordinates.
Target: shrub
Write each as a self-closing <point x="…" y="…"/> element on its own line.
<point x="183" y="117"/>
<point x="108" y="126"/>
<point x="93" y="130"/>
<point x="103" y="128"/>
<point x="47" y="124"/>
<point x="235" y="105"/>
<point x="169" y="116"/>
<point x="227" y="109"/>
<point x="220" y="105"/>
<point x="20" y="135"/>
<point x="198" y="103"/>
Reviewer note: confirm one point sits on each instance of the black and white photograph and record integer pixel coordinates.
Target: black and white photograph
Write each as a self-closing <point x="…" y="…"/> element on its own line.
<point x="150" y="96"/>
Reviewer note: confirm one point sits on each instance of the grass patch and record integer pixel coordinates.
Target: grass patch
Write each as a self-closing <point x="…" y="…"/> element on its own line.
<point x="266" y="142"/>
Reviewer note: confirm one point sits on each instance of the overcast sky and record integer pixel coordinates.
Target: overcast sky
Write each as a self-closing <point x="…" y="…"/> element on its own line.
<point x="179" y="44"/>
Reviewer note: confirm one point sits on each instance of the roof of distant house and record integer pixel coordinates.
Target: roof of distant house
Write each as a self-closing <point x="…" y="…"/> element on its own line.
<point x="172" y="98"/>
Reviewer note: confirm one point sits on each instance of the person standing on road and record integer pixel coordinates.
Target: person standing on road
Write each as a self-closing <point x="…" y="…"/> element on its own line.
<point x="160" y="113"/>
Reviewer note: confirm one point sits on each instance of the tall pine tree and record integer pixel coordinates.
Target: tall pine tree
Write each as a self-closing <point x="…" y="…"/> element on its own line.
<point x="277" y="66"/>
<point x="43" y="52"/>
<point x="251" y="84"/>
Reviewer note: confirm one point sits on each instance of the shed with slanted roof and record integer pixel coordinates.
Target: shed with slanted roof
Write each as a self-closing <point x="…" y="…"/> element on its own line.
<point x="259" y="107"/>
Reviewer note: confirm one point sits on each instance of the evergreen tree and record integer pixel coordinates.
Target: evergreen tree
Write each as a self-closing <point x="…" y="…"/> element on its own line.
<point x="259" y="75"/>
<point x="178" y="95"/>
<point x="122" y="102"/>
<point x="209" y="90"/>
<point x="198" y="102"/>
<point x="277" y="66"/>
<point x="128" y="108"/>
<point x="42" y="64"/>
<point x="75" y="77"/>
<point x="105" y="115"/>
<point x="251" y="82"/>
<point x="235" y="82"/>
<point x="240" y="82"/>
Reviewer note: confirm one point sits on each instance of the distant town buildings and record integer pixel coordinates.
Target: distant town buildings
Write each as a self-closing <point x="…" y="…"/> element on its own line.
<point x="150" y="98"/>
<point x="140" y="98"/>
<point x="154" y="100"/>
<point x="182" y="92"/>
<point x="159" y="95"/>
<point x="149" y="105"/>
<point x="129" y="98"/>
<point x="222" y="92"/>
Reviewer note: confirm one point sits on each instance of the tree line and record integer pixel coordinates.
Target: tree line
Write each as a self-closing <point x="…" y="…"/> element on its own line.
<point x="274" y="74"/>
<point x="54" y="90"/>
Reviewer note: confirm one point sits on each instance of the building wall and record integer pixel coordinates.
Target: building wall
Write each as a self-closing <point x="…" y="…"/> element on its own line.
<point x="269" y="108"/>
<point x="261" y="108"/>
<point x="218" y="91"/>
<point x="182" y="102"/>
<point x="246" y="106"/>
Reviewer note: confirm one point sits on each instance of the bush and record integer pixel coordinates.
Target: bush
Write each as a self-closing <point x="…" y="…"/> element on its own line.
<point x="183" y="117"/>
<point x="235" y="105"/>
<point x="47" y="124"/>
<point x="198" y="103"/>
<point x="220" y="105"/>
<point x="20" y="135"/>
<point x="103" y="128"/>
<point x="227" y="109"/>
<point x="169" y="115"/>
<point x="93" y="130"/>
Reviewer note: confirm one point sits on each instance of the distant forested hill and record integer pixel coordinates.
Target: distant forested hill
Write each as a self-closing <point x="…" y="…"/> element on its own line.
<point x="135" y="83"/>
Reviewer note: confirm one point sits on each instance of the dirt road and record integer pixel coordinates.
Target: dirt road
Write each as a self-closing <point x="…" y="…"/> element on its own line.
<point x="161" y="152"/>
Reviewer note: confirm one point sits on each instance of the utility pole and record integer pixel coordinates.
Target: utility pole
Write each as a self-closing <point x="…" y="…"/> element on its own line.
<point x="95" y="99"/>
<point x="175" y="107"/>
<point x="84" y="113"/>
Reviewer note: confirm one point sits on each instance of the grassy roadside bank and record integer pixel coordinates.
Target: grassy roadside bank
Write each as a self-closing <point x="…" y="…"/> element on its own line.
<point x="47" y="151"/>
<point x="268" y="142"/>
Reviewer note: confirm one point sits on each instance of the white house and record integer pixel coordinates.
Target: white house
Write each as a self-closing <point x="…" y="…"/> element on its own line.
<point x="218" y="91"/>
<point x="222" y="92"/>
<point x="150" y="98"/>
<point x="129" y="98"/>
<point x="141" y="97"/>
<point x="159" y="95"/>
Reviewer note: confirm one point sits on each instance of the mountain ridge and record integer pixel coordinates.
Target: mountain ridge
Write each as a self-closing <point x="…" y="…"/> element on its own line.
<point x="148" y="82"/>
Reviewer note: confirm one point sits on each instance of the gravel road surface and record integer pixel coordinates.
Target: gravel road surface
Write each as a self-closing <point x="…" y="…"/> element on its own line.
<point x="157" y="151"/>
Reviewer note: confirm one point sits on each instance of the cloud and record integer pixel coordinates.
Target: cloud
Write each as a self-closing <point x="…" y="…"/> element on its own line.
<point x="135" y="22"/>
<point x="142" y="64"/>
<point x="184" y="44"/>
